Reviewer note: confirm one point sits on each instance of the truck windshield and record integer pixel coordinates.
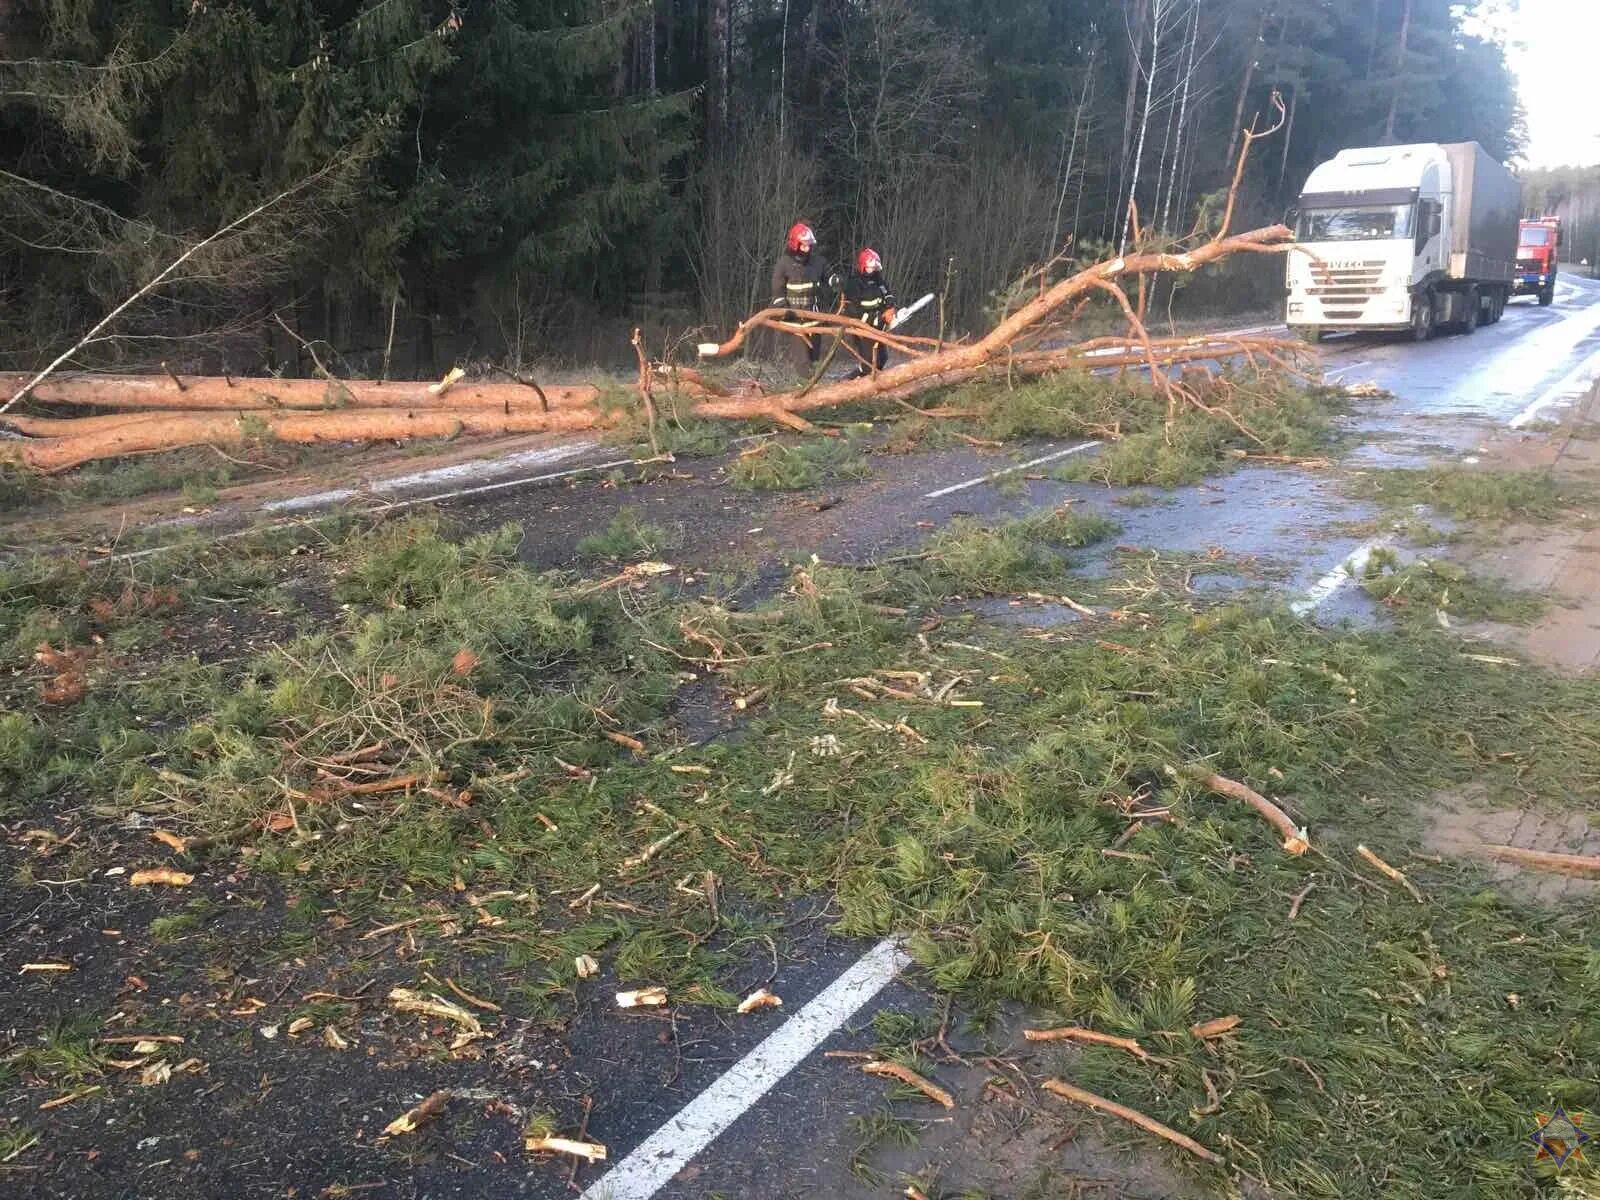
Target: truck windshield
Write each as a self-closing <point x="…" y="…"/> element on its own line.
<point x="1535" y="237"/>
<point x="1377" y="223"/>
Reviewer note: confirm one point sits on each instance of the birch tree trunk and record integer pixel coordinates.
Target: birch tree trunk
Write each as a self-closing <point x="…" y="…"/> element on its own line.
<point x="1130" y="107"/>
<point x="1183" y="116"/>
<point x="1158" y="12"/>
<point x="1288" y="136"/>
<point x="1071" y="160"/>
<point x="783" y="77"/>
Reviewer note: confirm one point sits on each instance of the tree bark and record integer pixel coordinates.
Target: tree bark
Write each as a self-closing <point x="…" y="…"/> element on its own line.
<point x="1084" y="99"/>
<point x="1158" y="11"/>
<point x="224" y="429"/>
<point x="1183" y="117"/>
<point x="1288" y="137"/>
<point x="1130" y="106"/>
<point x="158" y="392"/>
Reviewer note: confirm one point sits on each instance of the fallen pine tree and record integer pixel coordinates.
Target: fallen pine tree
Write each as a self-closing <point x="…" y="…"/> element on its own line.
<point x="156" y="413"/>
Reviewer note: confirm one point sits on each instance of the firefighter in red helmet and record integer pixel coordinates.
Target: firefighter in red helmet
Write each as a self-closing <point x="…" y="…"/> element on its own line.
<point x="867" y="297"/>
<point x="802" y="282"/>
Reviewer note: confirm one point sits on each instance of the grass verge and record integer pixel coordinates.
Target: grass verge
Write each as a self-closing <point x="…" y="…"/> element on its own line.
<point x="1469" y="494"/>
<point x="1433" y="590"/>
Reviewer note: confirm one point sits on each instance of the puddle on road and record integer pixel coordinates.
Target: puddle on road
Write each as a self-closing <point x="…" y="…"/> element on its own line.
<point x="1028" y="614"/>
<point x="1206" y="583"/>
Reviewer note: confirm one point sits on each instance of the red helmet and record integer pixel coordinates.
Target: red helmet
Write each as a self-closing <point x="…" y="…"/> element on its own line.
<point x="869" y="262"/>
<point x="802" y="239"/>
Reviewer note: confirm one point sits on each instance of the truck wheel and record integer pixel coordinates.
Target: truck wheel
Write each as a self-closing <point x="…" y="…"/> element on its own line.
<point x="1312" y="334"/>
<point x="1422" y="317"/>
<point x="1547" y="295"/>
<point x="1473" y="304"/>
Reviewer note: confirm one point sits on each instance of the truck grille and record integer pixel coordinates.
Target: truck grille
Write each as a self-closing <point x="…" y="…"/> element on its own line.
<point x="1529" y="266"/>
<point x="1350" y="281"/>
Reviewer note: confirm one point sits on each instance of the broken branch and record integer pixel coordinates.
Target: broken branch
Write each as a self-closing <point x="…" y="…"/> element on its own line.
<point x="892" y="1070"/>
<point x="1077" y="1095"/>
<point x="1074" y="1033"/>
<point x="1584" y="866"/>
<point x="1391" y="872"/>
<point x="1295" y="840"/>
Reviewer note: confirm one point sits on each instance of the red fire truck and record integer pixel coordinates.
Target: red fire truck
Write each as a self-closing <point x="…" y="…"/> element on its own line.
<point x="1538" y="253"/>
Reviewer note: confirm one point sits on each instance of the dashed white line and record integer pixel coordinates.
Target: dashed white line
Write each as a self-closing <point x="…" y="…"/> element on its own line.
<point x="982" y="479"/>
<point x="1571" y="388"/>
<point x="527" y="458"/>
<point x="1330" y="584"/>
<point x="392" y="506"/>
<point x="669" y="1149"/>
<point x="1343" y="371"/>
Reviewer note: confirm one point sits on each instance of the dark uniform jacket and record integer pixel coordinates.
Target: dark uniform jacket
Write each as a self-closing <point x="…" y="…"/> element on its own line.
<point x="867" y="297"/>
<point x="801" y="283"/>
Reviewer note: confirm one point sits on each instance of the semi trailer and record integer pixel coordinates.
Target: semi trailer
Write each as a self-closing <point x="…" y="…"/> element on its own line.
<point x="1414" y="238"/>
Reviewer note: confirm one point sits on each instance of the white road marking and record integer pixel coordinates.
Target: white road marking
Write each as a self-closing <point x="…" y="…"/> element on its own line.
<point x="669" y="1149"/>
<point x="464" y="470"/>
<point x="1571" y="388"/>
<point x="1355" y="366"/>
<point x="524" y="481"/>
<point x="1037" y="462"/>
<point x="1330" y="584"/>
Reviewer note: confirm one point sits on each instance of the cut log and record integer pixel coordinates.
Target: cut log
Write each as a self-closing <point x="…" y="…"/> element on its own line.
<point x="210" y="393"/>
<point x="305" y="428"/>
<point x="1584" y="866"/>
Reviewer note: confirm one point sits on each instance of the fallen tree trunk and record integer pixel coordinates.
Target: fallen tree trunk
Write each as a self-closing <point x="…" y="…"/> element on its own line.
<point x="160" y="417"/>
<point x="147" y="435"/>
<point x="998" y="346"/>
<point x="204" y="392"/>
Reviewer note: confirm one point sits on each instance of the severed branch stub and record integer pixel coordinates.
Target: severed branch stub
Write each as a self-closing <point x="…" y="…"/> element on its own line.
<point x="1074" y="1033"/>
<point x="905" y="1075"/>
<point x="1067" y="1091"/>
<point x="415" y="1118"/>
<point x="1296" y="840"/>
<point x="591" y="1151"/>
<point x="1393" y="873"/>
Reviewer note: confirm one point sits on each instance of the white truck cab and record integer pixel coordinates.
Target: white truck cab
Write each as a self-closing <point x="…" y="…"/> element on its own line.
<point x="1403" y="238"/>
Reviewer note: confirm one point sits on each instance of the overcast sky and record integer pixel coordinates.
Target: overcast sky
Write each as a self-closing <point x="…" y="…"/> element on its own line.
<point x="1554" y="47"/>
